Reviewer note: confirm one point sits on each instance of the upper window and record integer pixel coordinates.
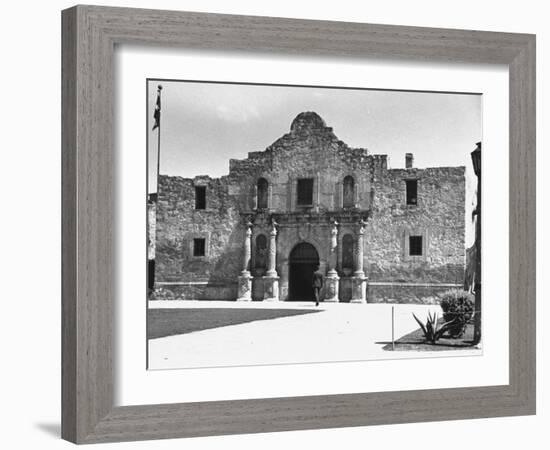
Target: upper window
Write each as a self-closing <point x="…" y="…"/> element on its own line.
<point x="415" y="245"/>
<point x="200" y="197"/>
<point x="199" y="247"/>
<point x="349" y="192"/>
<point x="305" y="192"/>
<point x="262" y="193"/>
<point x="412" y="192"/>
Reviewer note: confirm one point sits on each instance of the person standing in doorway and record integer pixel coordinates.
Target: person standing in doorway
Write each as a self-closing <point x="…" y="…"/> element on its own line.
<point x="317" y="284"/>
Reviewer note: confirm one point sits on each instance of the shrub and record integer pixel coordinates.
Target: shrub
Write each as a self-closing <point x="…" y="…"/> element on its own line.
<point x="458" y="308"/>
<point x="161" y="294"/>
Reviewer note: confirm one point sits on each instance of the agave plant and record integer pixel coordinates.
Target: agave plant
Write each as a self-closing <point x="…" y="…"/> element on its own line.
<point x="432" y="331"/>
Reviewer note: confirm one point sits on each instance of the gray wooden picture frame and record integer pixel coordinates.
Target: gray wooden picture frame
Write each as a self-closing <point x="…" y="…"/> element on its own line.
<point x="89" y="37"/>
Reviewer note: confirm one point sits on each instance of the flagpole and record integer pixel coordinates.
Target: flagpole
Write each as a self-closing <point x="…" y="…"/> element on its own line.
<point x="158" y="143"/>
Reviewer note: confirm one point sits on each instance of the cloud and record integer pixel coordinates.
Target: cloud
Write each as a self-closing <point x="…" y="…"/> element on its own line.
<point x="237" y="113"/>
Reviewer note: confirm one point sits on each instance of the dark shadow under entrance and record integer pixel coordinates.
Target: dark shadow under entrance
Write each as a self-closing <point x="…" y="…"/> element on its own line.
<point x="302" y="262"/>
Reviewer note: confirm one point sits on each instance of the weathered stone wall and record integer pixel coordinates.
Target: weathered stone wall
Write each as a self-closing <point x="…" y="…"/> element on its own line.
<point x="306" y="152"/>
<point x="151" y="228"/>
<point x="312" y="150"/>
<point x="438" y="218"/>
<point x="178" y="223"/>
<point x="404" y="293"/>
<point x="309" y="150"/>
<point x="196" y="291"/>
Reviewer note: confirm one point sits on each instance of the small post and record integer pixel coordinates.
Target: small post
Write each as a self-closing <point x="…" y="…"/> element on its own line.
<point x="393" y="327"/>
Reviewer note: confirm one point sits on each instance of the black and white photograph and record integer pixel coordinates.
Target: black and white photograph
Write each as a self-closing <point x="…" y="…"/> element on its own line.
<point x="257" y="225"/>
<point x="308" y="224"/>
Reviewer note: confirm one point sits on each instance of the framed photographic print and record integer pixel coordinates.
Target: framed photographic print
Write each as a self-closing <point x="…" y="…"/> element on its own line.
<point x="308" y="224"/>
<point x="268" y="222"/>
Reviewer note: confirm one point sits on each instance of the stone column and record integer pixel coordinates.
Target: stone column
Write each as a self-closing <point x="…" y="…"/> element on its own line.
<point x="332" y="280"/>
<point x="317" y="188"/>
<point x="359" y="280"/>
<point x="245" y="279"/>
<point x="255" y="199"/>
<point x="271" y="280"/>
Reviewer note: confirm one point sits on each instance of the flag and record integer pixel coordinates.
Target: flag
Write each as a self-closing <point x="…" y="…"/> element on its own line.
<point x="156" y="114"/>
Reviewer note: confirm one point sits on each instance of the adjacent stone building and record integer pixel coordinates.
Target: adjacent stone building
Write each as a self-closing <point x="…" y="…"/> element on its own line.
<point x="379" y="234"/>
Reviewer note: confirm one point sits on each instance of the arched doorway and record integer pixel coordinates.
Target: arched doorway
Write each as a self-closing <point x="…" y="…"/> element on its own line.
<point x="302" y="262"/>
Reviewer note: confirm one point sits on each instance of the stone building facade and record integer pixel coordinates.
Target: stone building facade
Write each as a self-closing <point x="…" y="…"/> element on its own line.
<point x="379" y="234"/>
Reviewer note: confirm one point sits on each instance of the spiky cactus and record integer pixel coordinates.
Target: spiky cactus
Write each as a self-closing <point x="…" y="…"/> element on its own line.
<point x="432" y="331"/>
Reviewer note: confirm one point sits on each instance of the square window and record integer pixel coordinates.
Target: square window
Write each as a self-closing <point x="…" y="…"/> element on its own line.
<point x="305" y="192"/>
<point x="412" y="192"/>
<point x="199" y="247"/>
<point x="415" y="245"/>
<point x="200" y="197"/>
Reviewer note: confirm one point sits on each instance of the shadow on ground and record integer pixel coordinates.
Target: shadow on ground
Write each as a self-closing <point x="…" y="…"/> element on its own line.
<point x="415" y="341"/>
<point x="170" y="322"/>
<point x="52" y="429"/>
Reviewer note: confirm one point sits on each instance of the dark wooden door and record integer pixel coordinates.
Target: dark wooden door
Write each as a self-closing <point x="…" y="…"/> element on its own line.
<point x="303" y="261"/>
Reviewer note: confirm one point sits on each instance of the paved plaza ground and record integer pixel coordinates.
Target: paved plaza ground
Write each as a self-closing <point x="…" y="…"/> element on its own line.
<point x="184" y="334"/>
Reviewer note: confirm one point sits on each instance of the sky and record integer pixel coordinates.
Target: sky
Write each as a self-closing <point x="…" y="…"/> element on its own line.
<point x="203" y="125"/>
<point x="206" y="124"/>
